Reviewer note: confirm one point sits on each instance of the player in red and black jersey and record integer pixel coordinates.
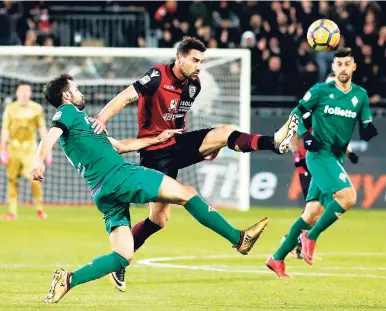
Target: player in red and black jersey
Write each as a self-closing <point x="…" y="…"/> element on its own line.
<point x="165" y="94"/>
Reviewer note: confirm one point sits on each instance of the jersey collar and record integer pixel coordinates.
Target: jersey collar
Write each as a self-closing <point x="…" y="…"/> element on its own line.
<point x="345" y="92"/>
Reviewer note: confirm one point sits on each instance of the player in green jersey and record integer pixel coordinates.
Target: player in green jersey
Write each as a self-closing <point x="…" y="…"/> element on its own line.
<point x="335" y="108"/>
<point x="115" y="184"/>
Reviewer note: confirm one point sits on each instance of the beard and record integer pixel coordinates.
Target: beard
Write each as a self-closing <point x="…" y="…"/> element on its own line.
<point x="80" y="104"/>
<point x="344" y="78"/>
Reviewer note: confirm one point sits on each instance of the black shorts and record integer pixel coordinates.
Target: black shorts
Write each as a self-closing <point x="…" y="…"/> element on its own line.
<point x="183" y="153"/>
<point x="305" y="180"/>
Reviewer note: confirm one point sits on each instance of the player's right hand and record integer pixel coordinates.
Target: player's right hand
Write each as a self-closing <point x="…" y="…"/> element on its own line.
<point x="4" y="157"/>
<point x="167" y="134"/>
<point x="98" y="126"/>
<point x="38" y="171"/>
<point x="310" y="143"/>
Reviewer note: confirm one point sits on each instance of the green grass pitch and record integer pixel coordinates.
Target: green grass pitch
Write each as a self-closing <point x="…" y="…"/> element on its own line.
<point x="187" y="267"/>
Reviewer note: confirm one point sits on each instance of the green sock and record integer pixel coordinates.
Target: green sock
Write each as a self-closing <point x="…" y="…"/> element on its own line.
<point x="97" y="268"/>
<point x="331" y="214"/>
<point x="292" y="239"/>
<point x="212" y="219"/>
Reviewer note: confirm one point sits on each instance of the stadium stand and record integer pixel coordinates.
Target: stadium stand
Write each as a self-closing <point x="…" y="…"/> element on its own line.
<point x="274" y="32"/>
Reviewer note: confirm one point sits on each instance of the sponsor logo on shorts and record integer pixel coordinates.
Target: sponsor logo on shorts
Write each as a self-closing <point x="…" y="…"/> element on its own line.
<point x="340" y="112"/>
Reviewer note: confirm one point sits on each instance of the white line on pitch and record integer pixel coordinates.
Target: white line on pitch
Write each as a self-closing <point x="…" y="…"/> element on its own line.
<point x="161" y="263"/>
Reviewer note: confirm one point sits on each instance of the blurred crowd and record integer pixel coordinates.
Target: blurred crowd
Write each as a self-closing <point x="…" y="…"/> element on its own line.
<point x="274" y="32"/>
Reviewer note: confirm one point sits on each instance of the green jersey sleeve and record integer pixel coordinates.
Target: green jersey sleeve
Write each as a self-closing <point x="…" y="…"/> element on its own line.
<point x="365" y="114"/>
<point x="306" y="105"/>
<point x="311" y="98"/>
<point x="64" y="117"/>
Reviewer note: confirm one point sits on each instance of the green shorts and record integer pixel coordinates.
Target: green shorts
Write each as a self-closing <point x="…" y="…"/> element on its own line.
<point x="328" y="176"/>
<point x="129" y="183"/>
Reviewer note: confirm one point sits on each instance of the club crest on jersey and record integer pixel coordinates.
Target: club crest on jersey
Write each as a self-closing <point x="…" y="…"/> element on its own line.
<point x="173" y="106"/>
<point x="354" y="101"/>
<point x="192" y="91"/>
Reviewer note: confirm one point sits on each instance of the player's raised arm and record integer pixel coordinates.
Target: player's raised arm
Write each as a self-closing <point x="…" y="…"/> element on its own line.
<point x="45" y="147"/>
<point x="146" y="86"/>
<point x="129" y="145"/>
<point x="127" y="96"/>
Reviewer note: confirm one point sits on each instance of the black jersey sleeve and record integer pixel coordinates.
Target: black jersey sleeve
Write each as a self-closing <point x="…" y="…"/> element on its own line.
<point x="149" y="83"/>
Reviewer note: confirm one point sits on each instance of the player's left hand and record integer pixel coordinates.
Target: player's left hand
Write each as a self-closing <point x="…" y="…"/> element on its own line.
<point x="167" y="134"/>
<point x="38" y="171"/>
<point x="353" y="157"/>
<point x="98" y="126"/>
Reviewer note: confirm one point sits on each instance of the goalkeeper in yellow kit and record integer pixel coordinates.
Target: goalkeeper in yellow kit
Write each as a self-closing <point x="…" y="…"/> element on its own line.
<point x="18" y="145"/>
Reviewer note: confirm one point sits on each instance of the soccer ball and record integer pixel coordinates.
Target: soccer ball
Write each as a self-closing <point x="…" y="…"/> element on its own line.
<point x="323" y="35"/>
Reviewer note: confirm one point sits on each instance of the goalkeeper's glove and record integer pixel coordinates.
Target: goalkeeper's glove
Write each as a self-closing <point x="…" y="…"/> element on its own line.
<point x="310" y="142"/>
<point x="353" y="157"/>
<point x="4" y="157"/>
<point x="49" y="159"/>
<point x="367" y="131"/>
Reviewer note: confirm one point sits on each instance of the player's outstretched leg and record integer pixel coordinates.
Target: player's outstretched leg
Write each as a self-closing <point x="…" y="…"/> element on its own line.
<point x="172" y="191"/>
<point x="343" y="200"/>
<point x="121" y="241"/>
<point x="310" y="215"/>
<point x="243" y="142"/>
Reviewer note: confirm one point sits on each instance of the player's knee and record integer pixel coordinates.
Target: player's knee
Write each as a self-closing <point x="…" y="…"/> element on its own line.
<point x="127" y="253"/>
<point x="346" y="197"/>
<point x="312" y="212"/>
<point x="161" y="217"/>
<point x="188" y="193"/>
<point x="226" y="131"/>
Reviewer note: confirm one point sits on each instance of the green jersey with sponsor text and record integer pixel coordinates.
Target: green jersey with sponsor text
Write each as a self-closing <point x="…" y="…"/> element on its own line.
<point x="335" y="113"/>
<point x="91" y="154"/>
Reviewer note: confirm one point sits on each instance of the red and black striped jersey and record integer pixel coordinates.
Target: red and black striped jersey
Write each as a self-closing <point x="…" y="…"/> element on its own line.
<point x="164" y="101"/>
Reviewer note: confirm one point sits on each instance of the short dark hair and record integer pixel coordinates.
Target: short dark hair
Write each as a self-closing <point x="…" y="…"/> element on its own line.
<point x="343" y="52"/>
<point x="54" y="89"/>
<point x="23" y="83"/>
<point x="190" y="43"/>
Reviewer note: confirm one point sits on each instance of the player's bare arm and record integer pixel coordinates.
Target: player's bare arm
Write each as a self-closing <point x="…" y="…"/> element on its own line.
<point x="45" y="147"/>
<point x="127" y="96"/>
<point x="132" y="144"/>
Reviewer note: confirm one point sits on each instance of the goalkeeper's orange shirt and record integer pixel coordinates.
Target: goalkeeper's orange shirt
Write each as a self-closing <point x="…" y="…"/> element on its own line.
<point x="22" y="123"/>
